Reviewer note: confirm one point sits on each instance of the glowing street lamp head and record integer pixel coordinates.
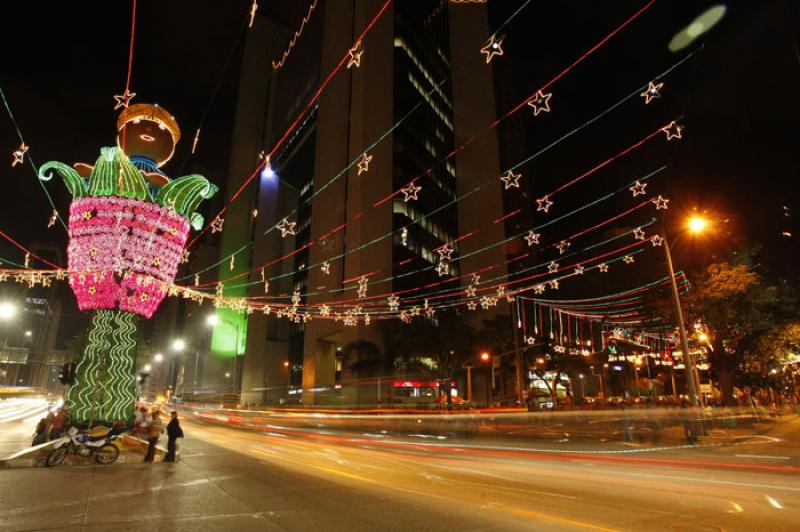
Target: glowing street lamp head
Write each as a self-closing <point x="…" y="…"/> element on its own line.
<point x="7" y="310"/>
<point x="703" y="337"/>
<point x="697" y="224"/>
<point x="212" y="320"/>
<point x="485" y="357"/>
<point x="178" y="345"/>
<point x="158" y="357"/>
<point x="147" y="367"/>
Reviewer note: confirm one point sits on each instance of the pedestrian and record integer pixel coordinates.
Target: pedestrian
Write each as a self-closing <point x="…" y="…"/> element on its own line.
<point x="40" y="436"/>
<point x="141" y="414"/>
<point x="174" y="432"/>
<point x="154" y="430"/>
<point x="57" y="426"/>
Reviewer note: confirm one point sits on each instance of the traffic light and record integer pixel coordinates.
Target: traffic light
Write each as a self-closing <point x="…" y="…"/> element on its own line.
<point x="67" y="375"/>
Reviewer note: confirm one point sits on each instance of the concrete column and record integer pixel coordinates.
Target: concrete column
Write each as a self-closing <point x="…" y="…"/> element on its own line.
<point x="474" y="111"/>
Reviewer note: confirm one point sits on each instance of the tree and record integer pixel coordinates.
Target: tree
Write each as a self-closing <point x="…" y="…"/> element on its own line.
<point x="736" y="307"/>
<point x="363" y="358"/>
<point x="775" y="349"/>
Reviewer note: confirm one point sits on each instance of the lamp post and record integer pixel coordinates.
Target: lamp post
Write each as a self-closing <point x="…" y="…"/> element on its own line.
<point x="695" y="225"/>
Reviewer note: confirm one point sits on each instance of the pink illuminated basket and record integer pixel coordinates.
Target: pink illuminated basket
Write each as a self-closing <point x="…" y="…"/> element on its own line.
<point x="123" y="253"/>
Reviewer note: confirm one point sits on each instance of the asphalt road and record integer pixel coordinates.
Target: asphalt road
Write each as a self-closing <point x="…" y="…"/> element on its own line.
<point x="283" y="479"/>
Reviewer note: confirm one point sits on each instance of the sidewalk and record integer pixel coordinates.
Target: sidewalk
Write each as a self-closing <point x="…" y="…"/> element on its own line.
<point x="211" y="488"/>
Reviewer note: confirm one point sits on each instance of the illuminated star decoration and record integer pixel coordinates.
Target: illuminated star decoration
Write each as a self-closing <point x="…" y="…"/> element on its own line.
<point x="472" y="305"/>
<point x="603" y="267"/>
<point x="476" y="278"/>
<point x="217" y="224"/>
<point x="532" y="238"/>
<point x="510" y="179"/>
<point x="652" y="92"/>
<point x="552" y="267"/>
<point x="325" y="310"/>
<point x="470" y="291"/>
<point x="19" y="155"/>
<point x="493" y="48"/>
<point x="286" y="227"/>
<point x="563" y="246"/>
<point x="253" y="9"/>
<point x="638" y="189"/>
<point x="544" y="204"/>
<point x="628" y="259"/>
<point x="501" y="290"/>
<point x="579" y="270"/>
<point x="124" y="99"/>
<point x="326" y="268"/>
<point x="554" y="284"/>
<point x="538" y="289"/>
<point x="445" y="252"/>
<point x="363" y="163"/>
<point x="673" y="130"/>
<point x="410" y="191"/>
<point x="442" y="268"/>
<point x="355" y="55"/>
<point x="394" y="303"/>
<point x="638" y="233"/>
<point x="540" y="103"/>
<point x="660" y="202"/>
<point x="657" y="240"/>
<point x="415" y="310"/>
<point x="363" y="283"/>
<point x="530" y="340"/>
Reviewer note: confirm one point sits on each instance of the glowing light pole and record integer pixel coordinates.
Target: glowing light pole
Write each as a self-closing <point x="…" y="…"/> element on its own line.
<point x="212" y="321"/>
<point x="695" y="225"/>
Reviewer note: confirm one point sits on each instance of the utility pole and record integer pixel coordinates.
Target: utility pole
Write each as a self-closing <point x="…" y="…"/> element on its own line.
<point x="517" y="353"/>
<point x="687" y="356"/>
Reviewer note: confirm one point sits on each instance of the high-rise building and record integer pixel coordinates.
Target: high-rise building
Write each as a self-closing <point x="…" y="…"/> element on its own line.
<point x="422" y="89"/>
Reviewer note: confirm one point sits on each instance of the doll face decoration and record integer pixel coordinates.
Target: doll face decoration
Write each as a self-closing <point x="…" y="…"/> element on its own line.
<point x="147" y="131"/>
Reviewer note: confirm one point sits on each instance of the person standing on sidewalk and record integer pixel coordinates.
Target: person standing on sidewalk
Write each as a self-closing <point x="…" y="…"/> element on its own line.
<point x="174" y="432"/>
<point x="57" y="426"/>
<point x="154" y="430"/>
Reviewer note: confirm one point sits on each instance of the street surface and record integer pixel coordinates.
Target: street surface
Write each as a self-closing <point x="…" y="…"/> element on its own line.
<point x="288" y="475"/>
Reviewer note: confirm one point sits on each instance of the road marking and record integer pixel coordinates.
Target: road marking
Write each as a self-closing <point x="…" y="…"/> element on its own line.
<point x="774" y="503"/>
<point x="707" y="480"/>
<point x="556" y="519"/>
<point x="764" y="456"/>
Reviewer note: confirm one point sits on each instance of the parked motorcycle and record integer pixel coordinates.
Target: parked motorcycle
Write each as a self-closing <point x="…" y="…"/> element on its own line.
<point x="97" y="442"/>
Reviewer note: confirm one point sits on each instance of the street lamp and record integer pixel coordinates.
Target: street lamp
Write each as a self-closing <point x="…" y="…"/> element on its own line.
<point x="178" y="344"/>
<point x="158" y="357"/>
<point x="147" y="367"/>
<point x="695" y="225"/>
<point x="28" y="334"/>
<point x="7" y="310"/>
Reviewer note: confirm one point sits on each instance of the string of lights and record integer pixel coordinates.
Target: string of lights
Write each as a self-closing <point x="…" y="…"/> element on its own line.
<point x="55" y="215"/>
<point x="312" y="101"/>
<point x="276" y="65"/>
<point x="633" y="94"/>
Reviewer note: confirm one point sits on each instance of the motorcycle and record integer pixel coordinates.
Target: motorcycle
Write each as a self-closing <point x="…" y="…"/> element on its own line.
<point x="98" y="442"/>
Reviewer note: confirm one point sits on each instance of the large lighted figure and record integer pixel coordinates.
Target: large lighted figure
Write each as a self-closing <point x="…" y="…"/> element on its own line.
<point x="128" y="225"/>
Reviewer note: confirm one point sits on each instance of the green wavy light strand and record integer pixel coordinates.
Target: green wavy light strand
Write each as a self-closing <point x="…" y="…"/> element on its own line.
<point x="121" y="379"/>
<point x="82" y="393"/>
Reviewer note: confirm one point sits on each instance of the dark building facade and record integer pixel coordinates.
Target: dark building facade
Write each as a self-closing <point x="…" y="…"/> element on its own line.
<point x="422" y="89"/>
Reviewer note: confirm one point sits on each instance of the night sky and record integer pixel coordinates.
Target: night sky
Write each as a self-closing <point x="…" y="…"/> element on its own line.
<point x="63" y="62"/>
